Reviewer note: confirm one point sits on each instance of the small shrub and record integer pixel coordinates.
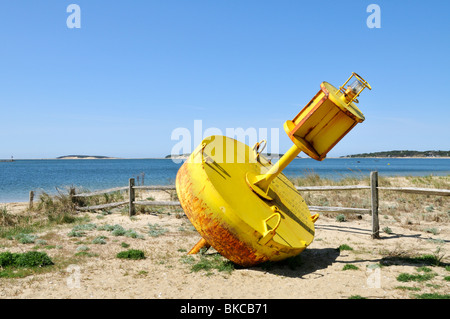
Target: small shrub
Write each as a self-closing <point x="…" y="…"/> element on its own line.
<point x="387" y="230"/>
<point x="118" y="231"/>
<point x="341" y="218"/>
<point x="41" y="242"/>
<point x="433" y="260"/>
<point x="74" y="233"/>
<point x="350" y="267"/>
<point x="156" y="230"/>
<point x="82" y="248"/>
<point x="187" y="259"/>
<point x="424" y="269"/>
<point x="100" y="240"/>
<point x="213" y="262"/>
<point x="404" y="277"/>
<point x="26" y="238"/>
<point x="124" y="245"/>
<point x="408" y="288"/>
<point x="433" y="231"/>
<point x="6" y="219"/>
<point x="29" y="259"/>
<point x="344" y="247"/>
<point x="429" y="209"/>
<point x="131" y="254"/>
<point x="6" y="259"/>
<point x="106" y="227"/>
<point x="133" y="234"/>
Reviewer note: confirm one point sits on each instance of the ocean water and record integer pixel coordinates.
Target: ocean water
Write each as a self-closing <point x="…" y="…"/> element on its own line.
<point x="18" y="178"/>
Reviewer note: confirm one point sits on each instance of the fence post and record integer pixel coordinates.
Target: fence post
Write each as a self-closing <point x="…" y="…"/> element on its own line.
<point x="132" y="210"/>
<point x="374" y="200"/>
<point x="72" y="193"/>
<point x="30" y="205"/>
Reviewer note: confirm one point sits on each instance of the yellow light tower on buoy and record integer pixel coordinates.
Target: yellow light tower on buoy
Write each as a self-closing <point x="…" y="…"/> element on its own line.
<point x="241" y="203"/>
<point x="319" y="126"/>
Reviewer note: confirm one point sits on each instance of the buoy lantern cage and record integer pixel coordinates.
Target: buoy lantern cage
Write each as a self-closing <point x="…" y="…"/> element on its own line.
<point x="242" y="204"/>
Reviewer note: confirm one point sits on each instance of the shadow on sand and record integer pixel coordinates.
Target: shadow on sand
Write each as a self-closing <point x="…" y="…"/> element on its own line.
<point x="303" y="265"/>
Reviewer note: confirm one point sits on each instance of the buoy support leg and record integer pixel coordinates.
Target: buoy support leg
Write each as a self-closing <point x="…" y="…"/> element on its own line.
<point x="198" y="246"/>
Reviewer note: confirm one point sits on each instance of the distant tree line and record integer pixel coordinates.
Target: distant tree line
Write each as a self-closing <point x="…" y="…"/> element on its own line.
<point x="404" y="154"/>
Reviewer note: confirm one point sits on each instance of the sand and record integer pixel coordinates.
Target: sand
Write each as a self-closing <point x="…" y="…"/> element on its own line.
<point x="166" y="272"/>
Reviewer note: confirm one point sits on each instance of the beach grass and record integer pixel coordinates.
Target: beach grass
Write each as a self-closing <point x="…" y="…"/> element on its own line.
<point x="392" y="204"/>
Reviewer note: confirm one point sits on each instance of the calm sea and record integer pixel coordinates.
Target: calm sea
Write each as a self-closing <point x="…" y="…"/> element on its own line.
<point x="19" y="177"/>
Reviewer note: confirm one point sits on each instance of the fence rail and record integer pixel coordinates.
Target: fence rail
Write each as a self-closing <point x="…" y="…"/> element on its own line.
<point x="374" y="189"/>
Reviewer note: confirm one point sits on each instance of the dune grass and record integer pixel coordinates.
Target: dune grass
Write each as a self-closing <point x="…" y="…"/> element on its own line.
<point x="391" y="203"/>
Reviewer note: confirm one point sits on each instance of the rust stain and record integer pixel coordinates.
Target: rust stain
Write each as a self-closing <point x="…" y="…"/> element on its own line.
<point x="211" y="228"/>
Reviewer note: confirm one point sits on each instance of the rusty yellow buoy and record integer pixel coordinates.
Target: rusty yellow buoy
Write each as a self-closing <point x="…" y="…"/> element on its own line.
<point x="242" y="204"/>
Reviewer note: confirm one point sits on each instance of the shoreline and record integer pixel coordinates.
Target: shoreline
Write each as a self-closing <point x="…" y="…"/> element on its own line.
<point x="183" y="158"/>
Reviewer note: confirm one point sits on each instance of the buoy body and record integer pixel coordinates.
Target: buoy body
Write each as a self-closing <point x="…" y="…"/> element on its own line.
<point x="230" y="216"/>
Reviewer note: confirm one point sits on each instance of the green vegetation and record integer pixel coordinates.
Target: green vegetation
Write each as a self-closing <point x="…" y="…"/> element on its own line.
<point x="214" y="261"/>
<point x="118" y="230"/>
<point x="12" y="264"/>
<point x="356" y="297"/>
<point x="404" y="277"/>
<point x="100" y="240"/>
<point x="48" y="212"/>
<point x="404" y="153"/>
<point x="29" y="259"/>
<point x="432" y="296"/>
<point x="74" y="233"/>
<point x="350" y="267"/>
<point x="344" y="247"/>
<point x="134" y="254"/>
<point x="408" y="288"/>
<point x="156" y="230"/>
<point x="25" y="238"/>
<point x="394" y="206"/>
<point x="432" y="230"/>
<point x="83" y="248"/>
<point x="427" y="259"/>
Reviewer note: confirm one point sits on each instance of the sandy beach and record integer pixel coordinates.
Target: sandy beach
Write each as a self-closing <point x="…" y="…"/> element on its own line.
<point x="166" y="272"/>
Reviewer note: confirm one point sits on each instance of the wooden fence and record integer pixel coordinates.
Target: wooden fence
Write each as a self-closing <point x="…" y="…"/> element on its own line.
<point x="374" y="188"/>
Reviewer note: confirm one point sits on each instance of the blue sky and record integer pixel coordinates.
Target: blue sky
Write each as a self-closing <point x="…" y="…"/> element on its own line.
<point x="137" y="70"/>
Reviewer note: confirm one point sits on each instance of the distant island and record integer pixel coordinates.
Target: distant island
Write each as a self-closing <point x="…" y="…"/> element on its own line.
<point x="405" y="153"/>
<point x="84" y="157"/>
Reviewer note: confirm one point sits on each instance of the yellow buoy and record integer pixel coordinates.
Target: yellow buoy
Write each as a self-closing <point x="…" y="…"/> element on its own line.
<point x="233" y="219"/>
<point x="241" y="203"/>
